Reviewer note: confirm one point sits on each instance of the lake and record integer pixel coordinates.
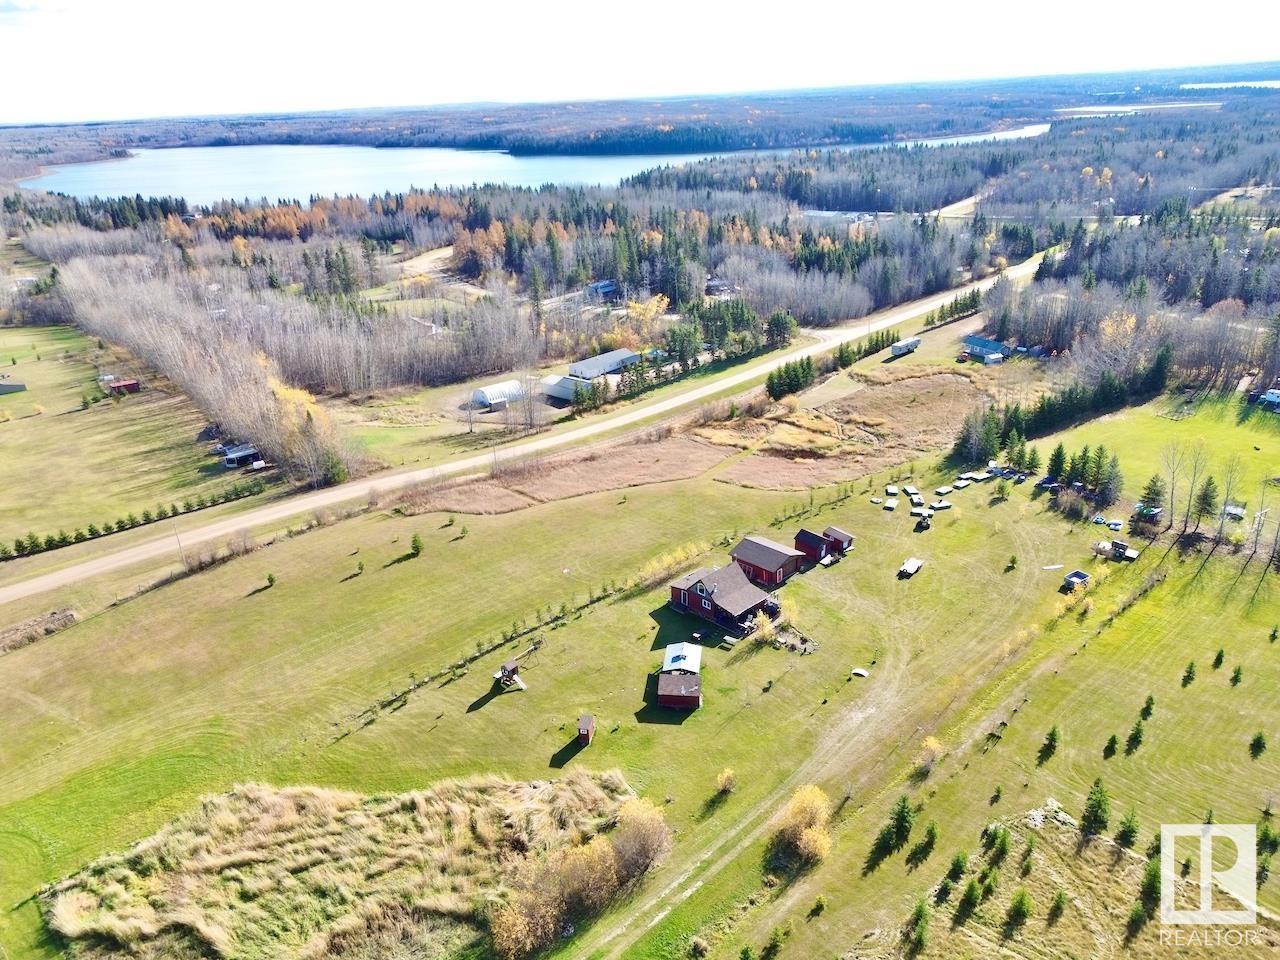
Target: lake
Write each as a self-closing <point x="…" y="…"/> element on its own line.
<point x="205" y="175"/>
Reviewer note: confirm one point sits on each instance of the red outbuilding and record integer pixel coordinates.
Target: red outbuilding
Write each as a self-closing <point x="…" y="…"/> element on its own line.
<point x="766" y="561"/>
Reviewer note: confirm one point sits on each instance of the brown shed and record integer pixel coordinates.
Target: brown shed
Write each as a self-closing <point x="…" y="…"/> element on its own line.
<point x="680" y="690"/>
<point x="586" y="729"/>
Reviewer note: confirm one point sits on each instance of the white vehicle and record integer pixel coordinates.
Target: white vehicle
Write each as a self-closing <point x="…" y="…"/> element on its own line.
<point x="909" y="569"/>
<point x="903" y="347"/>
<point x="891" y="503"/>
<point x="891" y="490"/>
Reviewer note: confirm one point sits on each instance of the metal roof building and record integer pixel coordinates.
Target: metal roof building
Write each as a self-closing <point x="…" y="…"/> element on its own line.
<point x="497" y="392"/>
<point x="611" y="362"/>
<point x="985" y="346"/>
<point x="682" y="656"/>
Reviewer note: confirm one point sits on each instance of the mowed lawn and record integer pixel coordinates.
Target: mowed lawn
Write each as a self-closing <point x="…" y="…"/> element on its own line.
<point x="65" y="467"/>
<point x="1227" y="426"/>
<point x="122" y="721"/>
<point x="1090" y="676"/>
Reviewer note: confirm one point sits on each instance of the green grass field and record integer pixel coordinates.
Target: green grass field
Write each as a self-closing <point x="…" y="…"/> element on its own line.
<point x="1227" y="426"/>
<point x="65" y="467"/>
<point x="122" y="721"/>
<point x="1089" y="675"/>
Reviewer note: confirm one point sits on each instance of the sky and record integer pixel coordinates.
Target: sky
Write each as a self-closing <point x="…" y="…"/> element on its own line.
<point x="70" y="60"/>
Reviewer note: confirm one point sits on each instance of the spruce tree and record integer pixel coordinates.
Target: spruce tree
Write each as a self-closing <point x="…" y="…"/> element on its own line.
<point x="1097" y="810"/>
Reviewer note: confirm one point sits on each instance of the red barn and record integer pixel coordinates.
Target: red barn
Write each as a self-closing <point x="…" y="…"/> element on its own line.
<point x="724" y="596"/>
<point x="814" y="546"/>
<point x="765" y="561"/>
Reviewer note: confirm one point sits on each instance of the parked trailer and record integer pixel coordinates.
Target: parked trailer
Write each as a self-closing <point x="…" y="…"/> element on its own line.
<point x="903" y="347"/>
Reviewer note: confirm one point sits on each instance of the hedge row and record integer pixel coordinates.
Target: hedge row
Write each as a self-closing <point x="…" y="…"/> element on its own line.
<point x="32" y="544"/>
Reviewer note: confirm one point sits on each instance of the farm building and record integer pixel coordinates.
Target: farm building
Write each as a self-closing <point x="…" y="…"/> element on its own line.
<point x="765" y="561"/>
<point x="120" y="387"/>
<point x="9" y="386"/>
<point x="240" y="456"/>
<point x="586" y="729"/>
<point x="680" y="680"/>
<point x="594" y="367"/>
<point x="984" y="347"/>
<point x="497" y="394"/>
<point x="815" y="546"/>
<point x="724" y="596"/>
<point x="563" y="388"/>
<point x="842" y="539"/>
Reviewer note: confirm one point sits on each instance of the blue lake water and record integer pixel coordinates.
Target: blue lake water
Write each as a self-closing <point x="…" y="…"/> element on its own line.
<point x="205" y="175"/>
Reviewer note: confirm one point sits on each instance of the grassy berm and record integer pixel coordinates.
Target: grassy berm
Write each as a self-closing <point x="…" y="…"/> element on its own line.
<point x="300" y="872"/>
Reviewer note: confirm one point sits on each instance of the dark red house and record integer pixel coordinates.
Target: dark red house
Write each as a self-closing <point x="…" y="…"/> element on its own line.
<point x="724" y="596"/>
<point x="121" y="387"/>
<point x="766" y="561"/>
<point x="586" y="729"/>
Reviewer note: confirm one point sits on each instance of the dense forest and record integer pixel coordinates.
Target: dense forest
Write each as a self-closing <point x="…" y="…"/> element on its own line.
<point x="255" y="309"/>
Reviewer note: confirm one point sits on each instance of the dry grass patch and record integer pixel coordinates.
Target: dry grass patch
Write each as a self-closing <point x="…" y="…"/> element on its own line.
<point x="522" y="485"/>
<point x="305" y="872"/>
<point x="900" y="414"/>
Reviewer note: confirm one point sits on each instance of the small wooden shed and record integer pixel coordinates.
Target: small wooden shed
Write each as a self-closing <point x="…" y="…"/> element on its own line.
<point x="586" y="729"/>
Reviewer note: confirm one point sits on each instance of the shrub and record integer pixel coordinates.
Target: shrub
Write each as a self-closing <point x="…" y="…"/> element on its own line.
<point x="813" y="845"/>
<point x="804" y="824"/>
<point x="1189" y="674"/>
<point x="1236" y="676"/>
<point x="1058" y="906"/>
<point x="727" y="781"/>
<point x="1127" y="834"/>
<point x="1150" y="890"/>
<point x="918" y="926"/>
<point x="1258" y="745"/>
<point x="1020" y="909"/>
<point x="959" y="864"/>
<point x="415" y="546"/>
<point x="641" y="838"/>
<point x="271" y="580"/>
<point x="1148" y="708"/>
